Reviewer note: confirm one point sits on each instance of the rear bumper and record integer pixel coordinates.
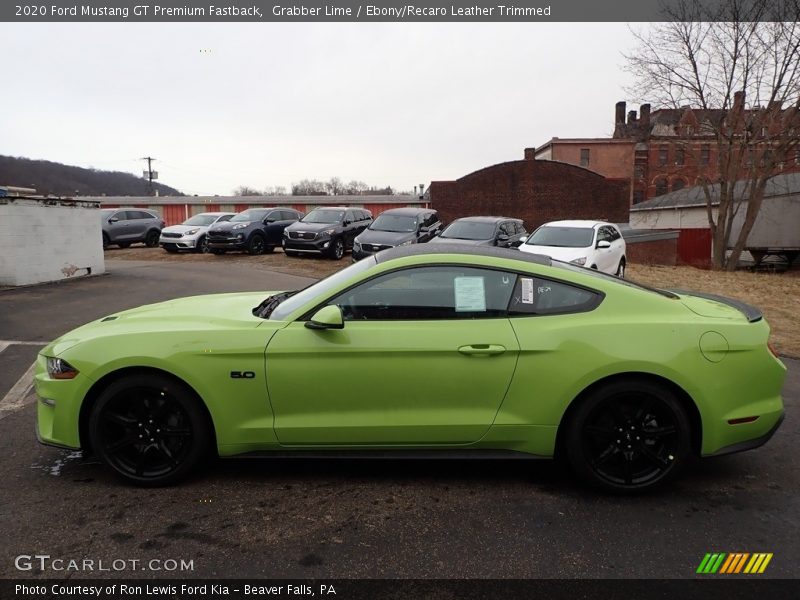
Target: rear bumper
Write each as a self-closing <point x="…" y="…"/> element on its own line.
<point x="752" y="443"/>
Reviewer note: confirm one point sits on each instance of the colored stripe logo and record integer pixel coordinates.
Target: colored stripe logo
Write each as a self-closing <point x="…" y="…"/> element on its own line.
<point x="734" y="563"/>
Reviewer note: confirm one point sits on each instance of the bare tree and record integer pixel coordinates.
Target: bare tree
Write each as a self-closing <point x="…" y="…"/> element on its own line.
<point x="355" y="188"/>
<point x="308" y="187"/>
<point x="738" y="63"/>
<point x="244" y="190"/>
<point x="334" y="186"/>
<point x="274" y="190"/>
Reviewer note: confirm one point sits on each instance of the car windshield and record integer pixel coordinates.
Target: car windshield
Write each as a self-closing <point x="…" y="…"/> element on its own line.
<point x="599" y="274"/>
<point x="250" y="215"/>
<point x="469" y="230"/>
<point x="323" y="216"/>
<point x="320" y="289"/>
<point x="398" y="223"/>
<point x="562" y="237"/>
<point x="201" y="220"/>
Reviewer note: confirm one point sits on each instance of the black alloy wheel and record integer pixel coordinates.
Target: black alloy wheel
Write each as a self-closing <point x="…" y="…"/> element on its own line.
<point x="621" y="269"/>
<point x="149" y="429"/>
<point x="256" y="245"/>
<point x="151" y="240"/>
<point x="202" y="245"/>
<point x="628" y="436"/>
<point x="337" y="249"/>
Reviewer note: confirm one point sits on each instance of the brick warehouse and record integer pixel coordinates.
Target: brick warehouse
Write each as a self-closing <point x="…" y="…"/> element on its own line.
<point x="536" y="191"/>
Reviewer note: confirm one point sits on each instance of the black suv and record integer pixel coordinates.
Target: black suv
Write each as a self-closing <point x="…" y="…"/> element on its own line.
<point x="504" y="232"/>
<point x="328" y="230"/>
<point x="255" y="230"/>
<point x="397" y="227"/>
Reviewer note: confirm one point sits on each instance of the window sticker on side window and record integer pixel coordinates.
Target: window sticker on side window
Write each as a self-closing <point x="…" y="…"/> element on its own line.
<point x="470" y="294"/>
<point x="527" y="290"/>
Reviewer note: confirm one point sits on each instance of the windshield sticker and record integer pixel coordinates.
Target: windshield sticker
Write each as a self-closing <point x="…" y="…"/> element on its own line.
<point x="527" y="290"/>
<point x="470" y="294"/>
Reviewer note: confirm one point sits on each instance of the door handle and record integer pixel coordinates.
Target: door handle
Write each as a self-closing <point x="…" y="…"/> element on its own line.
<point x="482" y="349"/>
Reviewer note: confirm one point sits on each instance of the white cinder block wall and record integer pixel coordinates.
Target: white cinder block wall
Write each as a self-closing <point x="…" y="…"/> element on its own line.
<point x="49" y="240"/>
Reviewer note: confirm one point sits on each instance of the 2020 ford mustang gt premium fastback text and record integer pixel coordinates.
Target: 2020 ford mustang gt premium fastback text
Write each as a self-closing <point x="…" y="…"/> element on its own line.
<point x="459" y="350"/>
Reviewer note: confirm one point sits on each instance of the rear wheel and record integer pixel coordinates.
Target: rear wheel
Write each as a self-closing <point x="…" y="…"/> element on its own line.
<point x="256" y="245"/>
<point x="621" y="269"/>
<point x="151" y="239"/>
<point x="149" y="429"/>
<point x="628" y="436"/>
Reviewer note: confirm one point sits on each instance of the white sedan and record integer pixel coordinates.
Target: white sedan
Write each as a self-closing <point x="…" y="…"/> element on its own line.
<point x="191" y="234"/>
<point x="593" y="244"/>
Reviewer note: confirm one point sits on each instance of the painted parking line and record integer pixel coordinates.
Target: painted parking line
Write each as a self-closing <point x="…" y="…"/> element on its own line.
<point x="6" y="343"/>
<point x="20" y="394"/>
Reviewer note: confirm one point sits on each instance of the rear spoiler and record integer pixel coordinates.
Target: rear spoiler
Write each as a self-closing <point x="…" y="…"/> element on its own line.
<point x="751" y="312"/>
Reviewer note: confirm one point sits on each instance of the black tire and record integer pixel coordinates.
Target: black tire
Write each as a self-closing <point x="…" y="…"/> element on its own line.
<point x="151" y="239"/>
<point x="202" y="246"/>
<point x="628" y="436"/>
<point x="124" y="245"/>
<point x="217" y="251"/>
<point x="255" y="245"/>
<point x="149" y="429"/>
<point x="106" y="241"/>
<point x="621" y="268"/>
<point x="337" y="249"/>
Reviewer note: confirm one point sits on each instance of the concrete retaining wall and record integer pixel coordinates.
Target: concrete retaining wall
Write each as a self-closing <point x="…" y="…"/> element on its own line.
<point x="49" y="240"/>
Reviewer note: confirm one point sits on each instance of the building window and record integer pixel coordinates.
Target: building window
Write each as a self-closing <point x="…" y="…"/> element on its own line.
<point x="680" y="156"/>
<point x="638" y="196"/>
<point x="584" y="157"/>
<point x="678" y="184"/>
<point x="638" y="171"/>
<point x="661" y="186"/>
<point x="797" y="156"/>
<point x="663" y="155"/>
<point x="705" y="154"/>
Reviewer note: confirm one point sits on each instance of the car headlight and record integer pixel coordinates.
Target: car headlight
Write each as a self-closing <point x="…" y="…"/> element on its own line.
<point x="578" y="261"/>
<point x="408" y="243"/>
<point x="285" y="233"/>
<point x="330" y="231"/>
<point x="239" y="236"/>
<point x="356" y="245"/>
<point x="191" y="232"/>
<point x="58" y="368"/>
<point x="240" y="225"/>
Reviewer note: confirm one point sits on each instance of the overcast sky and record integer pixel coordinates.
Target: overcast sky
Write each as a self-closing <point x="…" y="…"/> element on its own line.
<point x="223" y="105"/>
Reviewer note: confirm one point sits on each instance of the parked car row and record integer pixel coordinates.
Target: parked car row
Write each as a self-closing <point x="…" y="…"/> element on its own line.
<point x="332" y="230"/>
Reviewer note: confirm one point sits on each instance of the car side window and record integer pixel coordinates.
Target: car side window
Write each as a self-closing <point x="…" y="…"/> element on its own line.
<point x="120" y="215"/>
<point x="429" y="293"/>
<point x="431" y="219"/>
<point x="349" y="216"/>
<point x="224" y="218"/>
<point x="536" y="296"/>
<point x="507" y="228"/>
<point x="521" y="229"/>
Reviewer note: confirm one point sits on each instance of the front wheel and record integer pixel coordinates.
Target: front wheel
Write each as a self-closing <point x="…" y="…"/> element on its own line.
<point x="628" y="436"/>
<point x="151" y="239"/>
<point x="337" y="250"/>
<point x="256" y="245"/>
<point x="202" y="246"/>
<point x="621" y="269"/>
<point x="149" y="429"/>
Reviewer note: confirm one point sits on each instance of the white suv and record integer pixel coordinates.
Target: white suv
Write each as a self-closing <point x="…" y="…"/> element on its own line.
<point x="593" y="244"/>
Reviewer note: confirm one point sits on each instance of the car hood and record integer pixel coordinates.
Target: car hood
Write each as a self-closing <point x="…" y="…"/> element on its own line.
<point x="196" y="313"/>
<point x="228" y="225"/>
<point x="385" y="238"/>
<point x="182" y="228"/>
<point x="562" y="254"/>
<point x="441" y="240"/>
<point x="299" y="226"/>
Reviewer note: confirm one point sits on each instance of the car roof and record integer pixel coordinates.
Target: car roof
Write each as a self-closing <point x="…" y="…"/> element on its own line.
<point x="337" y="207"/>
<point x="214" y="213"/>
<point x="466" y="250"/>
<point x="408" y="210"/>
<point x="585" y="223"/>
<point x="482" y="219"/>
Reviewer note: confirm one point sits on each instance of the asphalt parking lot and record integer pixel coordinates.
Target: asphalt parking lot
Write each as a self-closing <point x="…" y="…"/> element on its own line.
<point x="317" y="519"/>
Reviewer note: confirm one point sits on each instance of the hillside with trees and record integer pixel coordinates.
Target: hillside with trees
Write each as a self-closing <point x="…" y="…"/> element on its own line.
<point x="51" y="178"/>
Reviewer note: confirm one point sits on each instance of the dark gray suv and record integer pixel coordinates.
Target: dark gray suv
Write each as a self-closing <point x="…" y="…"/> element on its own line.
<point x="126" y="226"/>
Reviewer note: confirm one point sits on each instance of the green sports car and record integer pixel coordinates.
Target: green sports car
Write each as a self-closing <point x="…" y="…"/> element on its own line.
<point x="427" y="351"/>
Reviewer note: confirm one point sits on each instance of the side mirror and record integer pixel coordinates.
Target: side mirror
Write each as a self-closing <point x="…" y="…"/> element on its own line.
<point x="603" y="244"/>
<point x="516" y="243"/>
<point x="327" y="317"/>
<point x="113" y="220"/>
<point x="269" y="220"/>
<point x="424" y="229"/>
<point x="346" y="223"/>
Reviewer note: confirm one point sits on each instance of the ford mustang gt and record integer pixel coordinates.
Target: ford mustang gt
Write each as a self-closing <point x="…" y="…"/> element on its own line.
<point x="421" y="350"/>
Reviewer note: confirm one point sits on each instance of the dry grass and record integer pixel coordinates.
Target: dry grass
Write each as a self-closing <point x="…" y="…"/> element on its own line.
<point x="777" y="295"/>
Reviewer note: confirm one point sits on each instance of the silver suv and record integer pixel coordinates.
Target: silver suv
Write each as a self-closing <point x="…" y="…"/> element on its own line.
<point x="126" y="226"/>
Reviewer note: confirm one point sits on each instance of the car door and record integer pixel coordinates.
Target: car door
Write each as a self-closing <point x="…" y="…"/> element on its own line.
<point x="138" y="222"/>
<point x="273" y="227"/>
<point x="119" y="226"/>
<point x="605" y="256"/>
<point x="425" y="357"/>
<point x="351" y="228"/>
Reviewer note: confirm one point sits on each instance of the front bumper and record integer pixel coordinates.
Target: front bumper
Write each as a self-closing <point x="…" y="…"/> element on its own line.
<point x="57" y="422"/>
<point x="315" y="246"/>
<point x="181" y="243"/>
<point x="228" y="243"/>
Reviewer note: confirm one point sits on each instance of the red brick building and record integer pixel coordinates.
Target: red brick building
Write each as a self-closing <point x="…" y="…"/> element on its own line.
<point x="668" y="149"/>
<point x="535" y="191"/>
